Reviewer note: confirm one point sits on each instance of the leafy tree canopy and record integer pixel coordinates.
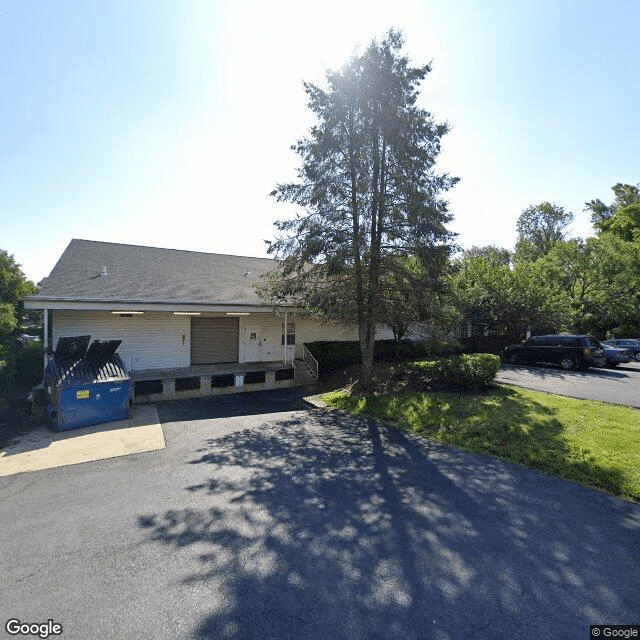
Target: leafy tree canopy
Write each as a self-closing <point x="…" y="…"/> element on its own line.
<point x="13" y="287"/>
<point x="620" y="218"/>
<point x="601" y="277"/>
<point x="13" y="284"/>
<point x="494" y="254"/>
<point x="539" y="228"/>
<point x="506" y="300"/>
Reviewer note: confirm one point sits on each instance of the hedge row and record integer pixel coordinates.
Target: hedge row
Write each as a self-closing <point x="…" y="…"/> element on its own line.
<point x="29" y="364"/>
<point x="7" y="369"/>
<point x="488" y="344"/>
<point x="21" y="365"/>
<point x="467" y="371"/>
<point x="4" y="380"/>
<point x="625" y="331"/>
<point x="333" y="354"/>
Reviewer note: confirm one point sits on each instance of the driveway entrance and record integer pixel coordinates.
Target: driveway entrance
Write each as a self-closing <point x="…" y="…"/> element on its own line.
<point x="618" y="386"/>
<point x="265" y="520"/>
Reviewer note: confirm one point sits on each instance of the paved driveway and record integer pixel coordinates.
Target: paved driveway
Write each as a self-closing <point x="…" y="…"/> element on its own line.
<point x="619" y="386"/>
<point x="264" y="520"/>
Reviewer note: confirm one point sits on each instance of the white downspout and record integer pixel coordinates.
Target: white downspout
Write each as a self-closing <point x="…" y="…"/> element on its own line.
<point x="285" y="336"/>
<point x="46" y="334"/>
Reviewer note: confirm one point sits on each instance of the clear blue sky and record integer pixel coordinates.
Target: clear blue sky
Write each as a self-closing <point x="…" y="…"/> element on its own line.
<point x="168" y="123"/>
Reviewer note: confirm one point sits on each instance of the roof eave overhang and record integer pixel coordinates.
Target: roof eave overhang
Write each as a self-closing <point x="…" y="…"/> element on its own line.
<point x="72" y="304"/>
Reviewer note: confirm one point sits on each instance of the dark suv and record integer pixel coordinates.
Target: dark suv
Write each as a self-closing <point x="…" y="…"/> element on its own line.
<point x="570" y="352"/>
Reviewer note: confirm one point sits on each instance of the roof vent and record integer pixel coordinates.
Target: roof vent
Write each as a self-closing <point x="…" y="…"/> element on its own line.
<point x="101" y="274"/>
<point x="247" y="273"/>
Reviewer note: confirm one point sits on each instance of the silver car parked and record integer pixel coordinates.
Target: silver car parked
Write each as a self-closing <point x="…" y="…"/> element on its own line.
<point x="613" y="356"/>
<point x="626" y="343"/>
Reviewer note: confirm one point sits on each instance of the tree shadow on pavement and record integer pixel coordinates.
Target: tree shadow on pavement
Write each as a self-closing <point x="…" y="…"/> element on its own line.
<point x="330" y="526"/>
<point x="232" y="405"/>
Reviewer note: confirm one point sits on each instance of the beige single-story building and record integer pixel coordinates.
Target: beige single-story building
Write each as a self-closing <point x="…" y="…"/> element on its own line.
<point x="190" y="323"/>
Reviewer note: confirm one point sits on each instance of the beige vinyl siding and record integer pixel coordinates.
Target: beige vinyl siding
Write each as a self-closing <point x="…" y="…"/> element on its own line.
<point x="271" y="335"/>
<point x="151" y="341"/>
<point x="311" y="331"/>
<point x="159" y="340"/>
<point x="214" y="340"/>
<point x="307" y="330"/>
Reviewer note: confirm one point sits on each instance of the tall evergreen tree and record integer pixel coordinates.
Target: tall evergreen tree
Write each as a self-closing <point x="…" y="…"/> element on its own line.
<point x="367" y="191"/>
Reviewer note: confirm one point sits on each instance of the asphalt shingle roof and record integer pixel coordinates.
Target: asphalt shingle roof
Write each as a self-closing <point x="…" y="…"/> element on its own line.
<point x="148" y="274"/>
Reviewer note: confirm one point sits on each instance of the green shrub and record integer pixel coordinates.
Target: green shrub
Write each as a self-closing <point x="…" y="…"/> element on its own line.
<point x="625" y="331"/>
<point x="3" y="374"/>
<point x="32" y="331"/>
<point x="488" y="344"/>
<point x="333" y="354"/>
<point x="7" y="366"/>
<point x="467" y="371"/>
<point x="3" y="383"/>
<point x="29" y="362"/>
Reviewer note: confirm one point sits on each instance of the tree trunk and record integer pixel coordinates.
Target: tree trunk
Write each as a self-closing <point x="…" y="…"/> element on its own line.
<point x="368" y="336"/>
<point x="367" y="344"/>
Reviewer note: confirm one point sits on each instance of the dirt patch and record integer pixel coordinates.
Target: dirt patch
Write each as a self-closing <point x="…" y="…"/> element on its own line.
<point x="388" y="377"/>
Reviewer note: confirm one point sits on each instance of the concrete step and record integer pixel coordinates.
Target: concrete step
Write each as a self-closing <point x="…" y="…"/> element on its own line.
<point x="301" y="380"/>
<point x="302" y="373"/>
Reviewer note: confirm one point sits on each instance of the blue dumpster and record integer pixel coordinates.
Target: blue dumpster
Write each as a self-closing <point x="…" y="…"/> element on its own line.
<point x="86" y="385"/>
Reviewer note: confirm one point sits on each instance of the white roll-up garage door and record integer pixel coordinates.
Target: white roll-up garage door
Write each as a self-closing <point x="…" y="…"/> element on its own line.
<point x="214" y="340"/>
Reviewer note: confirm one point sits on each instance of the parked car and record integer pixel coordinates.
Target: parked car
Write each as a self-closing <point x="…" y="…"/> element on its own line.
<point x="627" y="343"/>
<point x="613" y="356"/>
<point x="569" y="351"/>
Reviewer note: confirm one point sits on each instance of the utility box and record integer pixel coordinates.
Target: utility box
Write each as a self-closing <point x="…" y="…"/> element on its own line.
<point x="86" y="384"/>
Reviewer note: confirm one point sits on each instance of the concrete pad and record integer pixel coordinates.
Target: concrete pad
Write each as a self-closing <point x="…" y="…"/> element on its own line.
<point x="45" y="449"/>
<point x="315" y="401"/>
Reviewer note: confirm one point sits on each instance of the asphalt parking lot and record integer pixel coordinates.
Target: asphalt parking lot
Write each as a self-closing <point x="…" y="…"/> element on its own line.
<point x="619" y="386"/>
<point x="263" y="519"/>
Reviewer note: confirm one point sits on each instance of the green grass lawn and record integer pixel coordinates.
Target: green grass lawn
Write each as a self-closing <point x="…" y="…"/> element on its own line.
<point x="594" y="443"/>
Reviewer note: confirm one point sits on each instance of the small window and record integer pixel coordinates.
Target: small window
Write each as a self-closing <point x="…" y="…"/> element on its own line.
<point x="291" y="333"/>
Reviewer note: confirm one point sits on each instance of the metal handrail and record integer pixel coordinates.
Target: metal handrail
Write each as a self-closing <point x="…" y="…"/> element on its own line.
<point x="310" y="361"/>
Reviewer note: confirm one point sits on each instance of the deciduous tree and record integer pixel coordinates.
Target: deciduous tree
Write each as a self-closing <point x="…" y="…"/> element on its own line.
<point x="494" y="254"/>
<point x="539" y="228"/>
<point x="601" y="277"/>
<point x="622" y="217"/>
<point x="13" y="287"/>
<point x="509" y="301"/>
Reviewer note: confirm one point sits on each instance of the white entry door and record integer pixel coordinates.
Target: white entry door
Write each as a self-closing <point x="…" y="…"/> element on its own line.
<point x="253" y="343"/>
